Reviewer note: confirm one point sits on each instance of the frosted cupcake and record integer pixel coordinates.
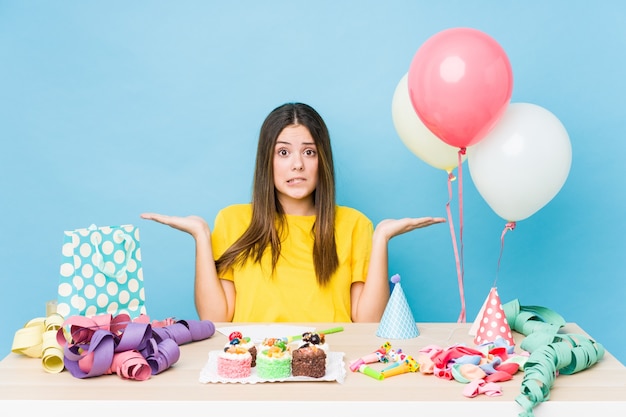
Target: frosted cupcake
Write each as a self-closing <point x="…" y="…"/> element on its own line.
<point x="273" y="360"/>
<point x="234" y="362"/>
<point x="308" y="360"/>
<point x="237" y="339"/>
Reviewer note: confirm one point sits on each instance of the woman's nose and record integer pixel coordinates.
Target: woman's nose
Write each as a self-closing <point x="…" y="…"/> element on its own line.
<point x="297" y="164"/>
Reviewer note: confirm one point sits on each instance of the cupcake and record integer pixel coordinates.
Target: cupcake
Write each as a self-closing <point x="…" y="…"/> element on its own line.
<point x="308" y="360"/>
<point x="273" y="359"/>
<point x="237" y="339"/>
<point x="234" y="362"/>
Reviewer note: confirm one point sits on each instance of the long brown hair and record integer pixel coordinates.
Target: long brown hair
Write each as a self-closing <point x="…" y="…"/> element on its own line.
<point x="268" y="217"/>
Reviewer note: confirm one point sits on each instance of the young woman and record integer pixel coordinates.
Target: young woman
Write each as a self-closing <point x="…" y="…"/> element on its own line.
<point x="292" y="255"/>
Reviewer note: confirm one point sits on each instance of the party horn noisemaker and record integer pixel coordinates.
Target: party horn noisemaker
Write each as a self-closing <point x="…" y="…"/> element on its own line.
<point x="408" y="365"/>
<point x="379" y="355"/>
<point x="325" y="332"/>
<point x="369" y="371"/>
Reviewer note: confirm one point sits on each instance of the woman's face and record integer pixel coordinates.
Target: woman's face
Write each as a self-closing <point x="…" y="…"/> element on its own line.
<point x="295" y="170"/>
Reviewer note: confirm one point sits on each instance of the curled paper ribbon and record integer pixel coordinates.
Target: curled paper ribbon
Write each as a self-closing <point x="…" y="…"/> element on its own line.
<point x="551" y="353"/>
<point x="132" y="349"/>
<point x="531" y="319"/>
<point x="37" y="339"/>
<point x="567" y="354"/>
<point x="131" y="365"/>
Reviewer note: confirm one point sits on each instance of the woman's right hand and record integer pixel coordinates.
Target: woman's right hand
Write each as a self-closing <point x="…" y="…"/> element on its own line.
<point x="214" y="298"/>
<point x="194" y="225"/>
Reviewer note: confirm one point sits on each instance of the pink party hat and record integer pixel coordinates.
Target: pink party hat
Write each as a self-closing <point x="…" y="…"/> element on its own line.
<point x="491" y="322"/>
<point x="397" y="321"/>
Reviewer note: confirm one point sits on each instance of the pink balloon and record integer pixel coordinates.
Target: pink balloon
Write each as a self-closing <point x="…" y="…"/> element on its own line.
<point x="460" y="84"/>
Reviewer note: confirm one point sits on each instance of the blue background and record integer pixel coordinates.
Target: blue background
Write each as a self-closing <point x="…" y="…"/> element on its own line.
<point x="110" y="109"/>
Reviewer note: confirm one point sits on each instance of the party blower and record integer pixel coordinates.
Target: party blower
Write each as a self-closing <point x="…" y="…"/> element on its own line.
<point x="324" y="332"/>
<point x="379" y="355"/>
<point x="409" y="364"/>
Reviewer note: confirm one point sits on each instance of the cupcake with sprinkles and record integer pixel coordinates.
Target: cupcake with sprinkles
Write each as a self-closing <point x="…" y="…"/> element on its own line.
<point x="310" y="358"/>
<point x="273" y="359"/>
<point x="237" y="339"/>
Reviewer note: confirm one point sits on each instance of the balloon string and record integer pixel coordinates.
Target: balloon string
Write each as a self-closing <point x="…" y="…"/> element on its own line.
<point x="507" y="227"/>
<point x="461" y="318"/>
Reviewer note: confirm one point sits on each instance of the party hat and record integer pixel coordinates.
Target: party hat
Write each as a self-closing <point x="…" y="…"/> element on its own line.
<point x="491" y="322"/>
<point x="397" y="321"/>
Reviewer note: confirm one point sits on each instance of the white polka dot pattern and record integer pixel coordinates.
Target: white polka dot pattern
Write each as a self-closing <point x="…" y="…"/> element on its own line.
<point x="101" y="272"/>
<point x="493" y="323"/>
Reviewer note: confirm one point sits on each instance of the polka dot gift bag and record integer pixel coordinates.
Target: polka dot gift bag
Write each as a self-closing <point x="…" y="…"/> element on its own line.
<point x="101" y="272"/>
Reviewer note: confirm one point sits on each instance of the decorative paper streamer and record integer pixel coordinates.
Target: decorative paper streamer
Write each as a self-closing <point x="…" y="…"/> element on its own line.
<point x="532" y="319"/>
<point x="567" y="354"/>
<point x="37" y="339"/>
<point x="106" y="344"/>
<point x="551" y="353"/>
<point x="136" y="349"/>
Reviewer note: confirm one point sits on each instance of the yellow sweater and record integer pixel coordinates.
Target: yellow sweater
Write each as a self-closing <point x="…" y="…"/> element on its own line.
<point x="292" y="293"/>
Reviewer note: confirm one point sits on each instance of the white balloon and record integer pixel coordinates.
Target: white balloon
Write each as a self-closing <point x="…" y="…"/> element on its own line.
<point x="416" y="136"/>
<point x="522" y="163"/>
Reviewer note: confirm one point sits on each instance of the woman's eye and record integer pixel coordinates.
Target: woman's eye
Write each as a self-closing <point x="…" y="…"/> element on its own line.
<point x="310" y="152"/>
<point x="283" y="152"/>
